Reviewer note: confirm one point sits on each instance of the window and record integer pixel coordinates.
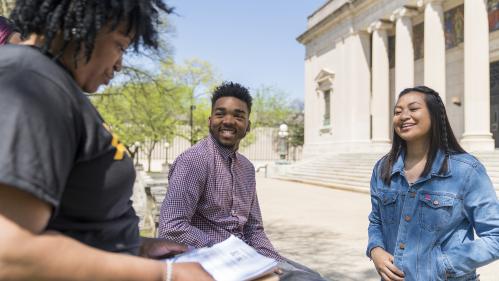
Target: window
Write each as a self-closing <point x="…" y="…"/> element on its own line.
<point x="324" y="91"/>
<point x="327" y="108"/>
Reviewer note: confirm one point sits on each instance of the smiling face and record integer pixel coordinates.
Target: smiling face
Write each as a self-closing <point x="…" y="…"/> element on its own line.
<point x="411" y="118"/>
<point x="229" y="121"/>
<point x="106" y="59"/>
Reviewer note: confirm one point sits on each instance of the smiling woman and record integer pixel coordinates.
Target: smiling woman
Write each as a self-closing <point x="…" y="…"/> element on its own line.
<point x="427" y="184"/>
<point x="65" y="183"/>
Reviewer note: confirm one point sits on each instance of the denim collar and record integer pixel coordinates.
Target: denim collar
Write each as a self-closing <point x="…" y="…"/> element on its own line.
<point x="398" y="166"/>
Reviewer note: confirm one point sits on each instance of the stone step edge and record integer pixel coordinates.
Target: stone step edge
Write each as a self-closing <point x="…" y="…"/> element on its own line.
<point x="324" y="184"/>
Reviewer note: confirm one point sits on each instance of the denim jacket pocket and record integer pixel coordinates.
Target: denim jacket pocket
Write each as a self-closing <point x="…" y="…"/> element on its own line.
<point x="388" y="206"/>
<point x="435" y="211"/>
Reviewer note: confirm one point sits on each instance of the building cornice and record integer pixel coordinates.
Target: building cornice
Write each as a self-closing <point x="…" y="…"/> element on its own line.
<point x="380" y="25"/>
<point x="340" y="13"/>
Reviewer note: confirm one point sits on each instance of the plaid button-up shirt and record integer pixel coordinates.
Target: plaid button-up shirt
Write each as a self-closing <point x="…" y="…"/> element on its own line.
<point x="211" y="195"/>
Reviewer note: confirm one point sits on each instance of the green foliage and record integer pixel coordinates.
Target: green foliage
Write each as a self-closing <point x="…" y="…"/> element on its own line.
<point x="201" y="114"/>
<point x="195" y="74"/>
<point x="271" y="108"/>
<point x="141" y="111"/>
<point x="196" y="78"/>
<point x="147" y="108"/>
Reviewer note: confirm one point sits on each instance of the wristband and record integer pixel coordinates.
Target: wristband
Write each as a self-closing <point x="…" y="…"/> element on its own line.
<point x="169" y="270"/>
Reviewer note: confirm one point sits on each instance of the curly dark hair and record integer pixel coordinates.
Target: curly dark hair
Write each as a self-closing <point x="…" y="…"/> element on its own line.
<point x="232" y="89"/>
<point x="79" y="21"/>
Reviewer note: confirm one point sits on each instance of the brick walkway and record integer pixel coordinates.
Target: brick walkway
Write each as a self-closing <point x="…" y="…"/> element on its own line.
<point x="323" y="228"/>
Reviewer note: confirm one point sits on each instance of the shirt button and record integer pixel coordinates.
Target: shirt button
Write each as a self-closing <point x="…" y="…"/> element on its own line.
<point x="407" y="218"/>
<point x="412" y="194"/>
<point x="402" y="246"/>
<point x="436" y="202"/>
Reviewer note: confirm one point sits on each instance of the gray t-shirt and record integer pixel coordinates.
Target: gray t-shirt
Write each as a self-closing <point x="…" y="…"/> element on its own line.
<point x="55" y="146"/>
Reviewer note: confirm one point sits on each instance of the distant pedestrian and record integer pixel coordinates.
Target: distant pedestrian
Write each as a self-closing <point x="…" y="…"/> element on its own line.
<point x="428" y="198"/>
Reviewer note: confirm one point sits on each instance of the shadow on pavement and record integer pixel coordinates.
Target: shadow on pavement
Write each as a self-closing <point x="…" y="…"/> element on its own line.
<point x="336" y="257"/>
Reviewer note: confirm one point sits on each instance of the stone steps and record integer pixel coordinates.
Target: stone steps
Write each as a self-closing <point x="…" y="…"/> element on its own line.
<point x="352" y="171"/>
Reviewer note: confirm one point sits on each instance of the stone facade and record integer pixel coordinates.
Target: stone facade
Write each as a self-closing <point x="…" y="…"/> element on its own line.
<point x="360" y="53"/>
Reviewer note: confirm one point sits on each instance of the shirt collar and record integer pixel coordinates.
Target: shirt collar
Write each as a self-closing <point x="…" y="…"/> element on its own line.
<point x="398" y="166"/>
<point x="224" y="151"/>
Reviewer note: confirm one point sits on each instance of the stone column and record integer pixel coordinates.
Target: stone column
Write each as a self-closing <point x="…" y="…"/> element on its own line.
<point x="434" y="46"/>
<point x="380" y="103"/>
<point x="404" y="49"/>
<point x="359" y="85"/>
<point x="477" y="136"/>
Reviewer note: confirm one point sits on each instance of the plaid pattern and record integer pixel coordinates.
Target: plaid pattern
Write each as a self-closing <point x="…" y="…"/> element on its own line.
<point x="211" y="195"/>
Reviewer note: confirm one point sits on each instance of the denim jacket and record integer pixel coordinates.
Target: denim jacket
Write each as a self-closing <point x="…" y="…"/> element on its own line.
<point x="428" y="226"/>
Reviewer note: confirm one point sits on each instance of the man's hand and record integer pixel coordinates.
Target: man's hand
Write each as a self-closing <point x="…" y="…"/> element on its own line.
<point x="190" y="271"/>
<point x="156" y="248"/>
<point x="383" y="262"/>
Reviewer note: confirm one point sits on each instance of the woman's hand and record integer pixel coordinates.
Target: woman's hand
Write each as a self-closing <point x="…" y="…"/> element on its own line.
<point x="383" y="262"/>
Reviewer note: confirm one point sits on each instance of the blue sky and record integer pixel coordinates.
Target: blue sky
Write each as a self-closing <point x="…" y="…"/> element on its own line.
<point x="252" y="42"/>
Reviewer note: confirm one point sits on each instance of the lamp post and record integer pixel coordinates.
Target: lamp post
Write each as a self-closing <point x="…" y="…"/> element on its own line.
<point x="283" y="135"/>
<point x="136" y="148"/>
<point x="166" y="165"/>
<point x="191" y="121"/>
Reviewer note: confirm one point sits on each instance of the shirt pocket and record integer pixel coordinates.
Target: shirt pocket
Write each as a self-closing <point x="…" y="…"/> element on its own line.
<point x="435" y="211"/>
<point x="388" y="206"/>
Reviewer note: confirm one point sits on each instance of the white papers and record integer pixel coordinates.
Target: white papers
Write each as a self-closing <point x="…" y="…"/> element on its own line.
<point x="230" y="260"/>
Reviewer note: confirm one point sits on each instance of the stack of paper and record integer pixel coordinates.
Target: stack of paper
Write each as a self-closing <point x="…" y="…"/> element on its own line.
<point x="230" y="260"/>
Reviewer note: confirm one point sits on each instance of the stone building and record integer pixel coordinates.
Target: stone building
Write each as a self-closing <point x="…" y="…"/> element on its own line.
<point x="360" y="53"/>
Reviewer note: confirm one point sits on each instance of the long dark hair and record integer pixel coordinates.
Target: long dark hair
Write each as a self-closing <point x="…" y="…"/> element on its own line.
<point x="79" y="21"/>
<point x="441" y="135"/>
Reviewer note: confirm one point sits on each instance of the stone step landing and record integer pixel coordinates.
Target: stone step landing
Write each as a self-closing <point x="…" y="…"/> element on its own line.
<point x="352" y="171"/>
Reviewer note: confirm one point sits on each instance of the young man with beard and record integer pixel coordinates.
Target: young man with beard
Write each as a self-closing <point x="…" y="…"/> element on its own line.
<point x="211" y="190"/>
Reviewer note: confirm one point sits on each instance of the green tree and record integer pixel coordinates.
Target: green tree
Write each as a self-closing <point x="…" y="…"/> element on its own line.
<point x="145" y="112"/>
<point x="271" y="108"/>
<point x="196" y="78"/>
<point x="201" y="114"/>
<point x="296" y="124"/>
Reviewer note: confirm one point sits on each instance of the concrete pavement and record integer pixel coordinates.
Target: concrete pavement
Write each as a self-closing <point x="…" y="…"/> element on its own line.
<point x="323" y="228"/>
